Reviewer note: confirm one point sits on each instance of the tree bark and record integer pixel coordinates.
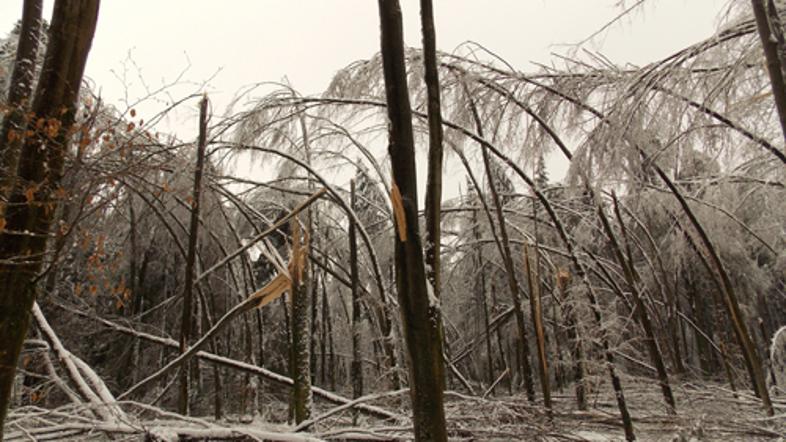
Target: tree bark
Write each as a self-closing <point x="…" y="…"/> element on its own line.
<point x="12" y="134"/>
<point x="656" y="357"/>
<point x="419" y="307"/>
<point x="434" y="177"/>
<point x="537" y="320"/>
<point x="771" y="33"/>
<point x="356" y="369"/>
<point x="193" y="233"/>
<point x="300" y="368"/>
<point x="507" y="259"/>
<point x="480" y="294"/>
<point x="572" y="330"/>
<point x="41" y="164"/>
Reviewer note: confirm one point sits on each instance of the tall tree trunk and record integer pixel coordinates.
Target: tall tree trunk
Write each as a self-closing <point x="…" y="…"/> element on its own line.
<point x="301" y="327"/>
<point x="771" y="33"/>
<point x="12" y="134"/>
<point x="537" y="320"/>
<point x="186" y="323"/>
<point x="720" y="277"/>
<point x="356" y="368"/>
<point x="434" y="177"/>
<point x="420" y="313"/>
<point x="639" y="308"/>
<point x="328" y="325"/>
<point x="573" y="332"/>
<point x="41" y="163"/>
<point x="480" y="293"/>
<point x="507" y="258"/>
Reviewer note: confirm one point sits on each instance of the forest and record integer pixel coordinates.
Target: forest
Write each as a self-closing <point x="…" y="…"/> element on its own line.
<point x="150" y="289"/>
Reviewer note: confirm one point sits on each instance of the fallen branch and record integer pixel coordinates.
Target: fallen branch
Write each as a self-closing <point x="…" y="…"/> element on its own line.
<point x="101" y="398"/>
<point x="159" y="433"/>
<point x="241" y="366"/>
<point x="369" y="397"/>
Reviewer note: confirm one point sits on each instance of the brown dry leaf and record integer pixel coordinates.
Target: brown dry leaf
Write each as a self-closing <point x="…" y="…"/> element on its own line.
<point x="30" y="193"/>
<point x="563" y="278"/>
<point x="2" y="224"/>
<point x="398" y="212"/>
<point x="52" y="127"/>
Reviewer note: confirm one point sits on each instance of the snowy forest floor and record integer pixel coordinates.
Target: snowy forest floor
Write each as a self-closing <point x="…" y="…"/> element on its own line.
<point x="706" y="412"/>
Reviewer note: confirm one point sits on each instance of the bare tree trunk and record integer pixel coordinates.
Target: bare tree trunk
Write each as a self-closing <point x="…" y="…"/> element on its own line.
<point x="41" y="162"/>
<point x="301" y="328"/>
<point x="568" y="311"/>
<point x="771" y="33"/>
<point x="722" y="280"/>
<point x="331" y="374"/>
<point x="186" y="323"/>
<point x="507" y="259"/>
<point x="356" y="369"/>
<point x="639" y="308"/>
<point x="420" y="313"/>
<point x="434" y="178"/>
<point x="12" y="134"/>
<point x="480" y="293"/>
<point x="323" y="336"/>
<point x="537" y="320"/>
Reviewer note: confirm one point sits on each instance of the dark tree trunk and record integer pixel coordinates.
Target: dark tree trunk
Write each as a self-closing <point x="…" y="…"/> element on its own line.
<point x="639" y="308"/>
<point x="480" y="293"/>
<point x="301" y="327"/>
<point x="721" y="279"/>
<point x="419" y="308"/>
<point x="12" y="134"/>
<point x="186" y="323"/>
<point x="771" y="33"/>
<point x="41" y="163"/>
<point x="434" y="178"/>
<point x="356" y="368"/>
<point x="507" y="259"/>
<point x="572" y="330"/>
<point x="537" y="320"/>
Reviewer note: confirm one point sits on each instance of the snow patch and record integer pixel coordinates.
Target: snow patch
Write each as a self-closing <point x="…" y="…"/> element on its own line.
<point x="778" y="358"/>
<point x="162" y="435"/>
<point x="592" y="436"/>
<point x="433" y="301"/>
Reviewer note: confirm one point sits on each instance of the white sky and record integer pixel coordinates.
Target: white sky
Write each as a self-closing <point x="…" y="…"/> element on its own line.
<point x="244" y="42"/>
<point x="307" y="41"/>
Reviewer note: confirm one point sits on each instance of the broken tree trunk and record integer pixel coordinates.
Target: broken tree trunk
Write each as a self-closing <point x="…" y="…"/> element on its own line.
<point x="300" y="369"/>
<point x="193" y="235"/>
<point x="420" y="314"/>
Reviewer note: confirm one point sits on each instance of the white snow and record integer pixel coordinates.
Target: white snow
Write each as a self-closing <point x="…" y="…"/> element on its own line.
<point x="778" y="357"/>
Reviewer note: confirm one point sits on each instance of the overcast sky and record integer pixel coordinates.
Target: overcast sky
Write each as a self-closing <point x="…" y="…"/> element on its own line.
<point x="307" y="41"/>
<point x="235" y="43"/>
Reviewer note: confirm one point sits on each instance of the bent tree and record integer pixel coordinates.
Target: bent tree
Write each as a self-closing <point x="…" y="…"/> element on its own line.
<point x="417" y="302"/>
<point x="30" y="209"/>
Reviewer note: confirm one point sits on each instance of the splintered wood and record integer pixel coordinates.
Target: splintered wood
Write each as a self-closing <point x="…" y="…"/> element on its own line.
<point x="398" y="212"/>
<point x="282" y="282"/>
